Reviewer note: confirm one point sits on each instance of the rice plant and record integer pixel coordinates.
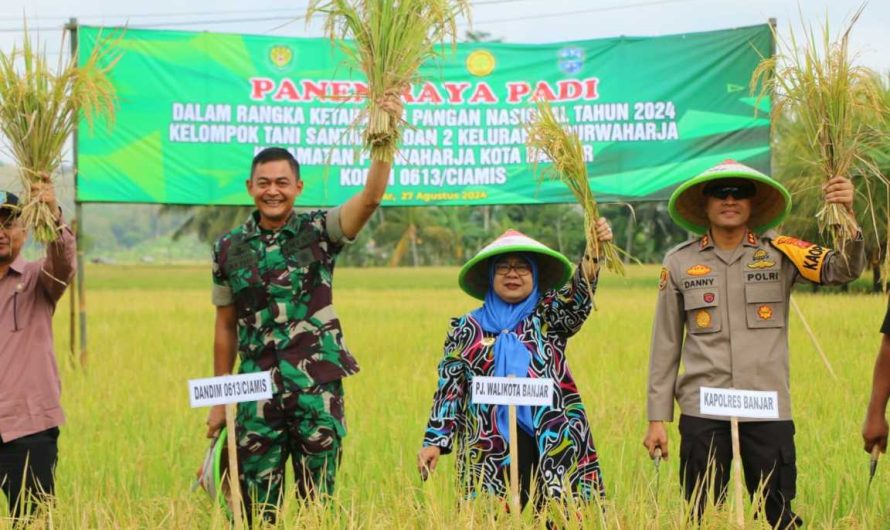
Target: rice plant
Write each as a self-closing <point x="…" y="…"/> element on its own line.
<point x="40" y="105"/>
<point x="547" y="136"/>
<point x="388" y="40"/>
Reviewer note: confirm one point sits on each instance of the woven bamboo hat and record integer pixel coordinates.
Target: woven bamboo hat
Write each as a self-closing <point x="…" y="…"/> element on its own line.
<point x="554" y="269"/>
<point x="770" y="204"/>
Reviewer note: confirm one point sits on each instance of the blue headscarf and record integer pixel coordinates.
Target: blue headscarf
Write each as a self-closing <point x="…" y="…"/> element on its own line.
<point x="511" y="357"/>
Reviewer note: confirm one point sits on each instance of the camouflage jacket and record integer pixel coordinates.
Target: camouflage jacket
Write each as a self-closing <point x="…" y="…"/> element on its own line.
<point x="280" y="283"/>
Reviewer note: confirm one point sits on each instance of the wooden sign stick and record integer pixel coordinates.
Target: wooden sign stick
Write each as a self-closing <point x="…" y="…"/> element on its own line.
<point x="234" y="482"/>
<point x="514" y="463"/>
<point x="737" y="472"/>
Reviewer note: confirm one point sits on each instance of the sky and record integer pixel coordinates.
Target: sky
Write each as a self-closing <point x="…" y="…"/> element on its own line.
<point x="528" y="21"/>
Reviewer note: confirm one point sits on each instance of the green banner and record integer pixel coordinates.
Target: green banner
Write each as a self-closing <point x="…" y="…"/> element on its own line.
<point x="195" y="108"/>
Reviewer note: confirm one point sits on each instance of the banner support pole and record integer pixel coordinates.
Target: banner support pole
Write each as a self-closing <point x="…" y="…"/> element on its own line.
<point x="72" y="26"/>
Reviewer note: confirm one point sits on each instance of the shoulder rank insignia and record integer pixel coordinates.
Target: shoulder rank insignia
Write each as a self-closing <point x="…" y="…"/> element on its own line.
<point x="807" y="257"/>
<point x="705" y="241"/>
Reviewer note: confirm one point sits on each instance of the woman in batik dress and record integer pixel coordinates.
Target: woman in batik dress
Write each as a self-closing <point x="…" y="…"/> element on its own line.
<point x="533" y="303"/>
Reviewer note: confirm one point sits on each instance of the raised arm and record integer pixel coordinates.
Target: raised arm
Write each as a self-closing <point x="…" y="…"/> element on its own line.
<point x="566" y="309"/>
<point x="359" y="208"/>
<point x="61" y="255"/>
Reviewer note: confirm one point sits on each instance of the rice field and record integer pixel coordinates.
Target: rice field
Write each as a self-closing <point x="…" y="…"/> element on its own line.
<point x="131" y="446"/>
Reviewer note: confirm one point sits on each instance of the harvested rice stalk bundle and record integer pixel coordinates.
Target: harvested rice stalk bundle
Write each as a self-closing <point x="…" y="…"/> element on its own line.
<point x="390" y="40"/>
<point x="838" y="104"/>
<point x="547" y="136"/>
<point x="39" y="109"/>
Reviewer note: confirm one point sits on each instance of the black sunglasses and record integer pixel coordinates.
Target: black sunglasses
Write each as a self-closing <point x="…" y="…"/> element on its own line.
<point x="744" y="190"/>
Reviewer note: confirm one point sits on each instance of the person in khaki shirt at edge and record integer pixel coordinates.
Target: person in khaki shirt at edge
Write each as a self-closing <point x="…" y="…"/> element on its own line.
<point x="722" y="309"/>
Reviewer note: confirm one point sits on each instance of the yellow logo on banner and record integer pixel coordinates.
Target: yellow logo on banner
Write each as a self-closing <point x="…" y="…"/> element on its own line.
<point x="480" y="63"/>
<point x="281" y="55"/>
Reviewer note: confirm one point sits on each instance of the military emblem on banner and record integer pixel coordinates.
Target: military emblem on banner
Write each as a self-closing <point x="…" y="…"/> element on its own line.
<point x="281" y="56"/>
<point x="480" y="63"/>
<point x="571" y="60"/>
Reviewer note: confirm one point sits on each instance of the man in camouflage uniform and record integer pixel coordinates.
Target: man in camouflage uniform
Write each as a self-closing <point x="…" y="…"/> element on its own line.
<point x="272" y="279"/>
<point x="723" y="304"/>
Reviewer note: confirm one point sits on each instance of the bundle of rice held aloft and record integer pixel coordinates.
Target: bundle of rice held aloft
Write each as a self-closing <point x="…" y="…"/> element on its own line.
<point x="838" y="106"/>
<point x="390" y="40"/>
<point x="39" y="108"/>
<point x="547" y="136"/>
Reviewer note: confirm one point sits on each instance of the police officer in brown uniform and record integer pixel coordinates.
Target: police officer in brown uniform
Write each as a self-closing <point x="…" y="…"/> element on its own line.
<point x="722" y="309"/>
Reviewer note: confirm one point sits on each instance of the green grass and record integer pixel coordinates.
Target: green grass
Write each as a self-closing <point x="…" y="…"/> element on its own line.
<point x="132" y="444"/>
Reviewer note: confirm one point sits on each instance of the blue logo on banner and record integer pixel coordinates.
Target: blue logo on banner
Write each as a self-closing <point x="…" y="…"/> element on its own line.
<point x="571" y="60"/>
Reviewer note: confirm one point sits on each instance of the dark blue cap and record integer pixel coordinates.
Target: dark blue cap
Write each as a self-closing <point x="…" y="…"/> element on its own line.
<point x="9" y="202"/>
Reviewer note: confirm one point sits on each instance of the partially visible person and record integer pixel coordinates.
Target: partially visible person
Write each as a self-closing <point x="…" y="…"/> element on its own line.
<point x="874" y="430"/>
<point x="532" y="305"/>
<point x="30" y="413"/>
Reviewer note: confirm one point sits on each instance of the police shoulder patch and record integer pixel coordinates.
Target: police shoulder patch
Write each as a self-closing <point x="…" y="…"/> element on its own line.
<point x="809" y="258"/>
<point x="663" y="278"/>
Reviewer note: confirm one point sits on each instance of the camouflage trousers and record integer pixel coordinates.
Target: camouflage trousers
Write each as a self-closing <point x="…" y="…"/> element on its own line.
<point x="306" y="426"/>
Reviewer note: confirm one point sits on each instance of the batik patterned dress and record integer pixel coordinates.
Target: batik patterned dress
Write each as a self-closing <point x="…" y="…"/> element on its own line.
<point x="567" y="456"/>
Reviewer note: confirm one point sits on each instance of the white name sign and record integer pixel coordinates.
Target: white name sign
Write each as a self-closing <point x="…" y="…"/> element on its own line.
<point x="739" y="403"/>
<point x="512" y="391"/>
<point x="230" y="389"/>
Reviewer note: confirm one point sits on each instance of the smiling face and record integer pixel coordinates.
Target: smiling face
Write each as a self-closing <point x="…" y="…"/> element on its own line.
<point x="728" y="213"/>
<point x="274" y="187"/>
<point x="513" y="280"/>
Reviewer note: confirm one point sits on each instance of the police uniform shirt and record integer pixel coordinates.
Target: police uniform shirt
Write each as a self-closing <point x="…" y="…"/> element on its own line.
<point x="725" y="315"/>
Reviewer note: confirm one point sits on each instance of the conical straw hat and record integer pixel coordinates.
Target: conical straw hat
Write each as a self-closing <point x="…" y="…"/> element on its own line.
<point x="554" y="269"/>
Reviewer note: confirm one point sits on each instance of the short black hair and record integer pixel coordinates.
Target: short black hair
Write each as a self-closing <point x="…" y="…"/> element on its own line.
<point x="274" y="154"/>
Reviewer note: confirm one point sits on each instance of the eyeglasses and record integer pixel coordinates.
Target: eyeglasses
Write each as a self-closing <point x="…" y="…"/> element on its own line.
<point x="522" y="268"/>
<point x="737" y="191"/>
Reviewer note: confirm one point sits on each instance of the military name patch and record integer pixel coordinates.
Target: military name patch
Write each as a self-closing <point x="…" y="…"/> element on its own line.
<point x="807" y="257"/>
<point x="240" y="256"/>
<point x="698" y="270"/>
